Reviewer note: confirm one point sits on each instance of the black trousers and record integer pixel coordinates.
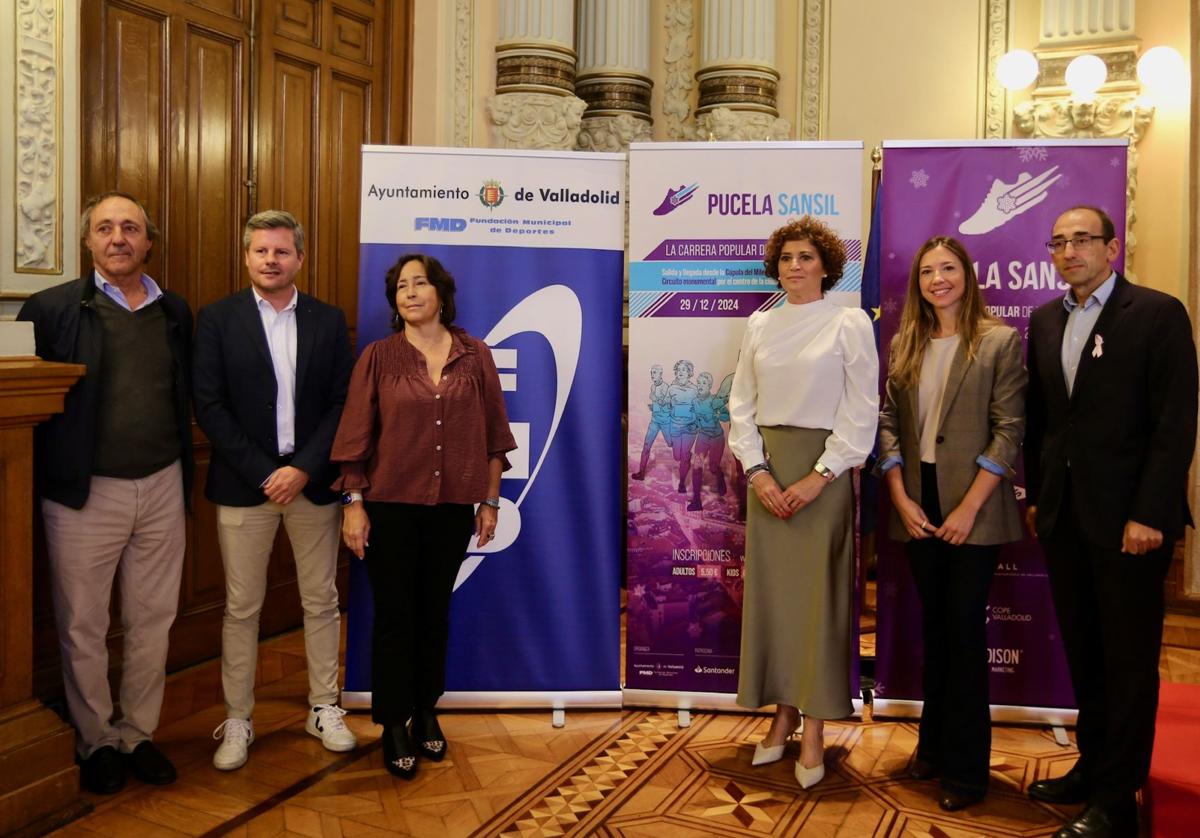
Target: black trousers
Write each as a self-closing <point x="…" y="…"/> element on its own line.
<point x="1110" y="613"/>
<point x="412" y="560"/>
<point x="953" y="582"/>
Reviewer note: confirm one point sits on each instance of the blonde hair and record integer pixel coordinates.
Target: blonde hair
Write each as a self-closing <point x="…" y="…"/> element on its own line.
<point x="918" y="320"/>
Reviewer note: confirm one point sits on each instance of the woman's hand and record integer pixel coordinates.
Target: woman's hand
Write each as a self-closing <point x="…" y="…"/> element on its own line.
<point x="356" y="527"/>
<point x="958" y="525"/>
<point x="913" y="517"/>
<point x="770" y="495"/>
<point x="804" y="491"/>
<point x="485" y="524"/>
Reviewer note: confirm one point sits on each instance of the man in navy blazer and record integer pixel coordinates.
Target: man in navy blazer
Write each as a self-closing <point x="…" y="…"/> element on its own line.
<point x="1111" y="429"/>
<point x="271" y="368"/>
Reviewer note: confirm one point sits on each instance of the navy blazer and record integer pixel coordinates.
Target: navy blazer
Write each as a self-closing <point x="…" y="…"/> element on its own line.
<point x="235" y="393"/>
<point x="66" y="328"/>
<point x="1127" y="429"/>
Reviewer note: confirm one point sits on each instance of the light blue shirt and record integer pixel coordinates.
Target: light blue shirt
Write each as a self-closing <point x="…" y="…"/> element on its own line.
<point x="153" y="292"/>
<point x="1081" y="319"/>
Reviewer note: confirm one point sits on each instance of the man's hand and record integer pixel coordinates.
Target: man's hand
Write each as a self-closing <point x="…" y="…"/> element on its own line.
<point x="958" y="525"/>
<point x="1031" y="520"/>
<point x="1139" y="538"/>
<point x="284" y="484"/>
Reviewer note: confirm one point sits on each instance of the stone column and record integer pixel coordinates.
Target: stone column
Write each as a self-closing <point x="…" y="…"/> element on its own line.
<point x="535" y="104"/>
<point x="613" y="76"/>
<point x="737" y="76"/>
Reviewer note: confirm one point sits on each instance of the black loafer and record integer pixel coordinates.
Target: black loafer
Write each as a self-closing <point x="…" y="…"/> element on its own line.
<point x="102" y="772"/>
<point x="1095" y="822"/>
<point x="427" y="733"/>
<point x="953" y="800"/>
<point x="922" y="769"/>
<point x="398" y="756"/>
<point x="150" y="765"/>
<point x="1067" y="789"/>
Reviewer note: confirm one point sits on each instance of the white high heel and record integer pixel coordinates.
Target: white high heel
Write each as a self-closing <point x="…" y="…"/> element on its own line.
<point x="809" y="777"/>
<point x="768" y="755"/>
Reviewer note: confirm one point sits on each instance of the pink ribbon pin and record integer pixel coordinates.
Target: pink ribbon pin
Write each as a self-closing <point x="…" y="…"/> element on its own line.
<point x="1098" y="349"/>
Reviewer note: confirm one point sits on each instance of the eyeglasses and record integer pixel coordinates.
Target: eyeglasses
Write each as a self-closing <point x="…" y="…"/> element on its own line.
<point x="1078" y="242"/>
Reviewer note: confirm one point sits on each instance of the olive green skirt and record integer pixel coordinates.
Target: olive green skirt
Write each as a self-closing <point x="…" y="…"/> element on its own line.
<point x="797" y="605"/>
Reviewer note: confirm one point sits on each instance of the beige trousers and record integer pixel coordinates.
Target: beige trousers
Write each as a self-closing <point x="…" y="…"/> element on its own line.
<point x="246" y="534"/>
<point x="134" y="531"/>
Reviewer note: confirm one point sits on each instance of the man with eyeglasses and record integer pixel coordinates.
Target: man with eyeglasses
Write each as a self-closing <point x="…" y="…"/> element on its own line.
<point x="1111" y="428"/>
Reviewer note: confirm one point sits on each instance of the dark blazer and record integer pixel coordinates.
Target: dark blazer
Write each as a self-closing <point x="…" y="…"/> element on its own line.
<point x="67" y="329"/>
<point x="235" y="393"/>
<point x="1128" y="428"/>
<point x="983" y="413"/>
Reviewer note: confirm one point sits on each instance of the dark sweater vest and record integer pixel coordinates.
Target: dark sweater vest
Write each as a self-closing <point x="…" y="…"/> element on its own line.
<point x="136" y="429"/>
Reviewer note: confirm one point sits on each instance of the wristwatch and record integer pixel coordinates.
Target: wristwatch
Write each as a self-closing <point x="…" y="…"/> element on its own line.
<point x="351" y="497"/>
<point x="494" y="503"/>
<point x="825" y="471"/>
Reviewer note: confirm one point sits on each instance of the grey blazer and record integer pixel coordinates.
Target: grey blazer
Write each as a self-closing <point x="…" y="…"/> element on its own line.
<point x="983" y="412"/>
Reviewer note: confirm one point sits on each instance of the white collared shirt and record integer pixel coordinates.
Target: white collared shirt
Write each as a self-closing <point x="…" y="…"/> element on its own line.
<point x="1081" y="319"/>
<point x="153" y="292"/>
<point x="280" y="329"/>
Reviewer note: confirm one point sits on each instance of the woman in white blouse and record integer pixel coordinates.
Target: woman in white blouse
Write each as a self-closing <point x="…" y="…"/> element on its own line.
<point x="802" y="414"/>
<point x="949" y="432"/>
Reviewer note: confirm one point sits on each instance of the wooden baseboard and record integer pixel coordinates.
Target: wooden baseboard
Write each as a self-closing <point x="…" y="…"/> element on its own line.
<point x="39" y="781"/>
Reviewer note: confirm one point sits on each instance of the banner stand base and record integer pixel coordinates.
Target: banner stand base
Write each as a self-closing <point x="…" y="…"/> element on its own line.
<point x="1058" y="718"/>
<point x="558" y="702"/>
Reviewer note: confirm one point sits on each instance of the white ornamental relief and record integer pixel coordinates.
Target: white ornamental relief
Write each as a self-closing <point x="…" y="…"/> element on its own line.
<point x="535" y="120"/>
<point x="724" y="124"/>
<point x="37" y="141"/>
<point x="613" y="133"/>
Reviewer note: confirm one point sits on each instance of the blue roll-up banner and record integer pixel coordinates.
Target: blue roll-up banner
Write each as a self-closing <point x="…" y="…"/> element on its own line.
<point x="535" y="242"/>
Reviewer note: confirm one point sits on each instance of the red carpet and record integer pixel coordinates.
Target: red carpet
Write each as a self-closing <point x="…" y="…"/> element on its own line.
<point x="1172" y="795"/>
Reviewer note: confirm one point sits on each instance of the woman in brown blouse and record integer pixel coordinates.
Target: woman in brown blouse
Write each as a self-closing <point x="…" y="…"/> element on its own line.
<point x="422" y="439"/>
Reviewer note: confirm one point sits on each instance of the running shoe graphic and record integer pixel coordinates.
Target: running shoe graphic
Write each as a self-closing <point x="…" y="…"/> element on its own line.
<point x="676" y="197"/>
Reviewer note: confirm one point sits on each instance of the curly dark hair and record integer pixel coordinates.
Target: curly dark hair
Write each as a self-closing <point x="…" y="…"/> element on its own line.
<point x="439" y="278"/>
<point x="827" y="243"/>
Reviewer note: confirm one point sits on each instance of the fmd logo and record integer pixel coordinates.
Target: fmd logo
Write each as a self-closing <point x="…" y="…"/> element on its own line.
<point x="440" y="225"/>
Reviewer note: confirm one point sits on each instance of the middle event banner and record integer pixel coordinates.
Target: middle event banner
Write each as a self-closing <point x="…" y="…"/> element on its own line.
<point x="699" y="215"/>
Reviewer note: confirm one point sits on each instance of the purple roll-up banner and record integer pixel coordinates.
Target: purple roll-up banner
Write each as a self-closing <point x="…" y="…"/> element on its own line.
<point x="699" y="214"/>
<point x="1000" y="199"/>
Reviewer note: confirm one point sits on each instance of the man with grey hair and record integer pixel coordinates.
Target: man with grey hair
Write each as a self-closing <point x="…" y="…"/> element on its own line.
<point x="271" y="370"/>
<point x="114" y="470"/>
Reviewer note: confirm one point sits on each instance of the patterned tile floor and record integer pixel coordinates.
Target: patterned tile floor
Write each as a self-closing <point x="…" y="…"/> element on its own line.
<point x="609" y="773"/>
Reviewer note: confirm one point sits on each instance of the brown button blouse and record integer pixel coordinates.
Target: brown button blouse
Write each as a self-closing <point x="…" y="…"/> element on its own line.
<point x="404" y="440"/>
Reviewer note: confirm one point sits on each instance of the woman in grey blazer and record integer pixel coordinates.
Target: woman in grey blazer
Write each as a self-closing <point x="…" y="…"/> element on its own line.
<point x="949" y="433"/>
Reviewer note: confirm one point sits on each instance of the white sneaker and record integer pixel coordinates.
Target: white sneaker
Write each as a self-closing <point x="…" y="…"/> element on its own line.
<point x="325" y="722"/>
<point x="238" y="734"/>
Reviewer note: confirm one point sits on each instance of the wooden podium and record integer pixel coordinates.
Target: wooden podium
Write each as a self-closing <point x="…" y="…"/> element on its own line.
<point x="39" y="781"/>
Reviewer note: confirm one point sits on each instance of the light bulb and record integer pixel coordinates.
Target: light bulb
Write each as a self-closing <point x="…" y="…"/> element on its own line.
<point x="1084" y="76"/>
<point x="1017" y="69"/>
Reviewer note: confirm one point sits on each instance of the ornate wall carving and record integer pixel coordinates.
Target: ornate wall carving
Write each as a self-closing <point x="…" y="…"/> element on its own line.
<point x="38" y="163"/>
<point x="679" y="54"/>
<point x="812" y="59"/>
<point x="613" y="133"/>
<point x="462" y="72"/>
<point x="996" y="36"/>
<point x="535" y="120"/>
<point x="725" y="124"/>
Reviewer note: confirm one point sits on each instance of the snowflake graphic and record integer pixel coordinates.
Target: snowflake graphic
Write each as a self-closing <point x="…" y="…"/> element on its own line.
<point x="919" y="179"/>
<point x="1114" y="162"/>
<point x="890" y="305"/>
<point x="891" y="254"/>
<point x="1006" y="204"/>
<point x="1031" y="154"/>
